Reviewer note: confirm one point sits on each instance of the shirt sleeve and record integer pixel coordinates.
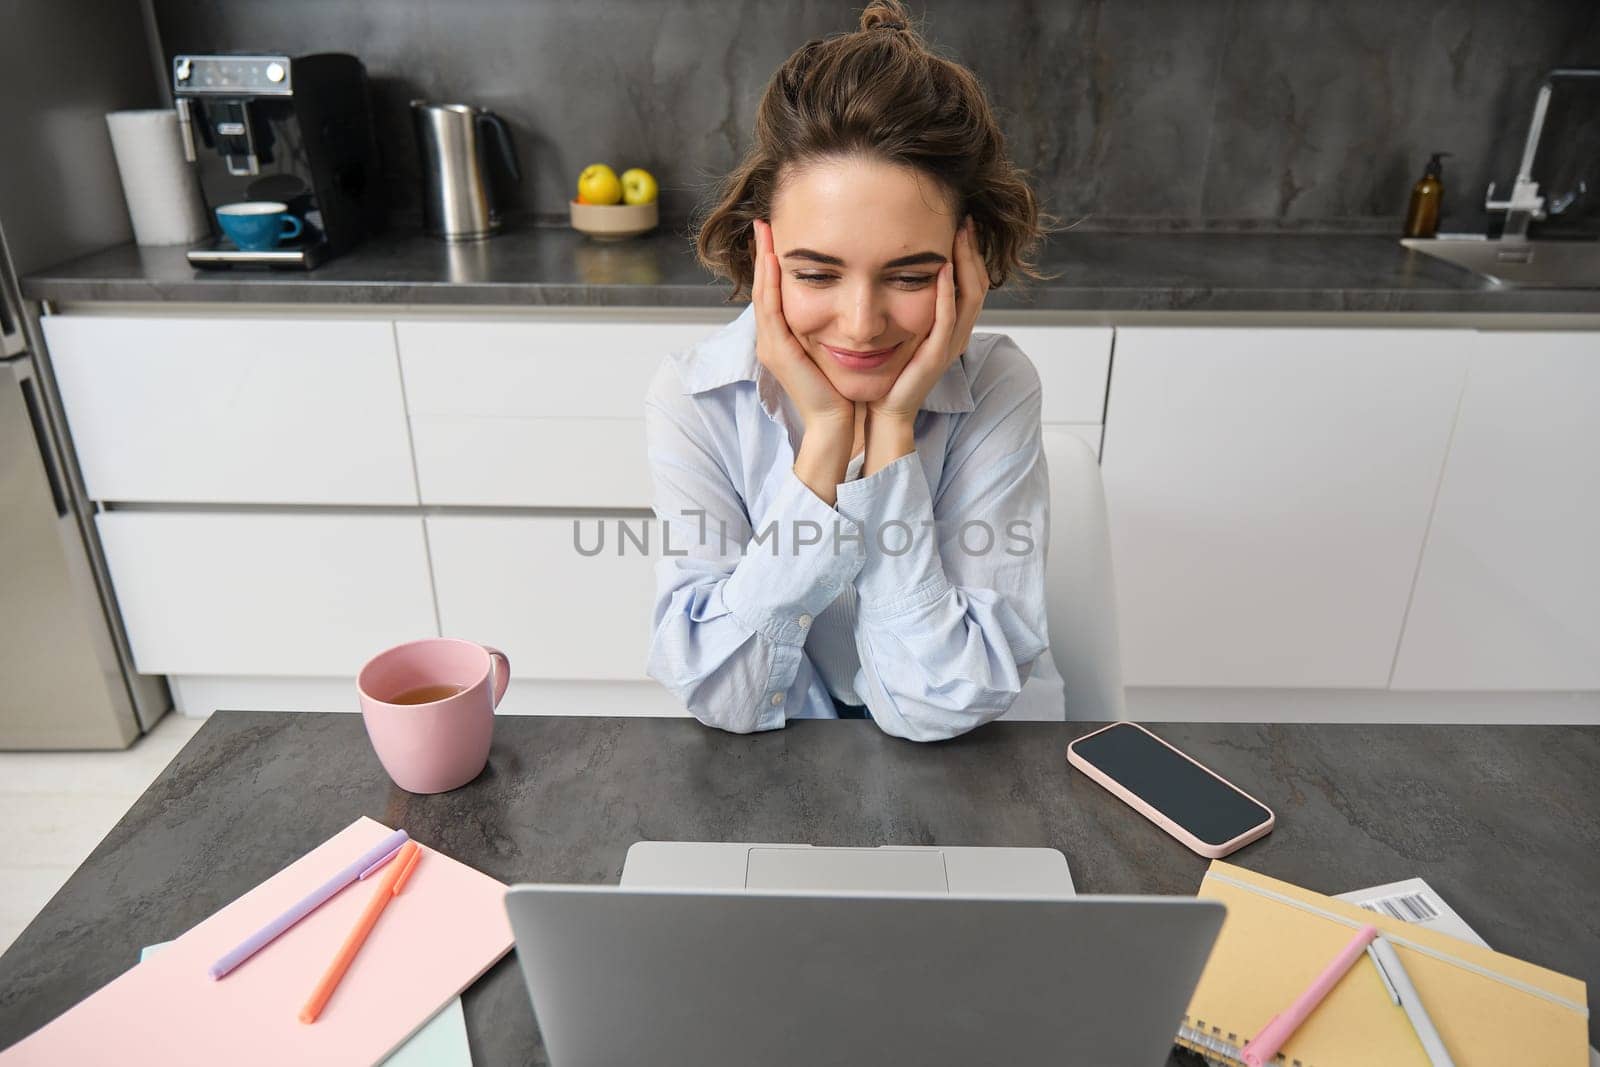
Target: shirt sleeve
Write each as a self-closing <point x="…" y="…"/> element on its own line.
<point x="734" y="603"/>
<point x="952" y="612"/>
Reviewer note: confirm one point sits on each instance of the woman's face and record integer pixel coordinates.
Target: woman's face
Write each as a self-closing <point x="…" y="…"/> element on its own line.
<point x="859" y="246"/>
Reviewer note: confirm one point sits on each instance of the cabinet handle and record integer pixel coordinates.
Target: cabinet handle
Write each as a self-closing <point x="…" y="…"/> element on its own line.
<point x="46" y="454"/>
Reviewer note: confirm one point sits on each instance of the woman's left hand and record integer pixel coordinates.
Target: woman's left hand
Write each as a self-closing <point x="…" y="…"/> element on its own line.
<point x="953" y="319"/>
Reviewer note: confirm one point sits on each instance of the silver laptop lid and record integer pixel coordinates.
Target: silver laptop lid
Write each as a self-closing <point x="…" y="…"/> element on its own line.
<point x="785" y="979"/>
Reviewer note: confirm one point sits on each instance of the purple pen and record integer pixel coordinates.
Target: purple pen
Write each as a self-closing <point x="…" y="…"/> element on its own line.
<point x="382" y="861"/>
<point x="312" y="901"/>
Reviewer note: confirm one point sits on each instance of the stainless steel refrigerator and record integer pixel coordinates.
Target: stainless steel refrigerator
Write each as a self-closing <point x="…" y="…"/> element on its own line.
<point x="66" y="674"/>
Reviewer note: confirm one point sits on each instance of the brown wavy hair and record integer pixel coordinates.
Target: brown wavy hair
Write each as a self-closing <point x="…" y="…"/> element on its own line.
<point x="879" y="93"/>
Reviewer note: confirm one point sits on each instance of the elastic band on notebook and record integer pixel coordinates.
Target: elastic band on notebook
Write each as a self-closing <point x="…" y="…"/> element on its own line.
<point x="1444" y="957"/>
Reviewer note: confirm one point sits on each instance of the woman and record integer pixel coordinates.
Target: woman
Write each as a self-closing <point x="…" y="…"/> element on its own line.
<point x="850" y="483"/>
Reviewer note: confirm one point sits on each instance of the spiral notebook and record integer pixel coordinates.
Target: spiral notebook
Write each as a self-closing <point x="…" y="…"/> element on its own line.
<point x="1491" y="1009"/>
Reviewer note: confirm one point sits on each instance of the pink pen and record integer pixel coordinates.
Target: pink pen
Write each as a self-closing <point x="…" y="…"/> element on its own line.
<point x="1265" y="1045"/>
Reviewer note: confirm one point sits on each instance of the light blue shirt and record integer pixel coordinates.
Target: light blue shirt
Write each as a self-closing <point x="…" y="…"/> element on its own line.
<point x="919" y="594"/>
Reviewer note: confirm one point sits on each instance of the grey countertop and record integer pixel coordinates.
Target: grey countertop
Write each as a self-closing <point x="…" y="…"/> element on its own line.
<point x="1503" y="821"/>
<point x="555" y="266"/>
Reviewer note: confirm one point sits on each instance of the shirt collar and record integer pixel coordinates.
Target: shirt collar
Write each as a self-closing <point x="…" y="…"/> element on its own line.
<point x="730" y="356"/>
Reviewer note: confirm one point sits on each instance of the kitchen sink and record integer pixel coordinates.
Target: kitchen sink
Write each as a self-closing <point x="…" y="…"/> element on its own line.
<point x="1519" y="264"/>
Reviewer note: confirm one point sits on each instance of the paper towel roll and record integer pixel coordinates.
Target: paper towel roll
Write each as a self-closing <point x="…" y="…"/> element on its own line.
<point x="161" y="187"/>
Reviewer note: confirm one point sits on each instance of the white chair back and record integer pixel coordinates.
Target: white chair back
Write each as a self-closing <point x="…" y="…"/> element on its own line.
<point x="1080" y="594"/>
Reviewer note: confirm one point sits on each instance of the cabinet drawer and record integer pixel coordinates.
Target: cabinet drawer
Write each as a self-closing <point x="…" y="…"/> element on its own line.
<point x="214" y="410"/>
<point x="1072" y="361"/>
<point x="1508" y="594"/>
<point x="254" y="594"/>
<point x="573" y="463"/>
<point x="537" y="369"/>
<point x="1268" y="493"/>
<point x="520" y="584"/>
<point x="541" y="414"/>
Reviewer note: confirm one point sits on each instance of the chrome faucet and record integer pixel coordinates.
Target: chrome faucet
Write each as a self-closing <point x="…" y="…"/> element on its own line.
<point x="1525" y="204"/>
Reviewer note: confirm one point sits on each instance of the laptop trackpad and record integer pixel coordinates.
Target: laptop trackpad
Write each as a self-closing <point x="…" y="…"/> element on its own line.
<point x="887" y="869"/>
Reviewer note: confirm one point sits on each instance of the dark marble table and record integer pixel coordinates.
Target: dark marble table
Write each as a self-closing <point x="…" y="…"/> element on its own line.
<point x="1503" y="821"/>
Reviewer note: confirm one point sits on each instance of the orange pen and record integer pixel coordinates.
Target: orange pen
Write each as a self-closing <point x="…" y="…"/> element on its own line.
<point x="393" y="879"/>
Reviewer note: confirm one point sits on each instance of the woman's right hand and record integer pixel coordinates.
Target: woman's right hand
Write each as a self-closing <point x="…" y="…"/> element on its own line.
<point x="821" y="406"/>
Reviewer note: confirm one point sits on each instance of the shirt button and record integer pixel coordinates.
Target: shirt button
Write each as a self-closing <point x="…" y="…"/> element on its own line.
<point x="777" y="698"/>
<point x="804" y="621"/>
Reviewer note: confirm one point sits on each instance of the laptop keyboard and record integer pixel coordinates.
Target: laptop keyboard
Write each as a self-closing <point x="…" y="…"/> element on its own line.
<point x="847" y="869"/>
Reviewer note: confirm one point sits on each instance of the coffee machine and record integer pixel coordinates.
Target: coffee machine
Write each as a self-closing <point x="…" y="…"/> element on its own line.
<point x="296" y="130"/>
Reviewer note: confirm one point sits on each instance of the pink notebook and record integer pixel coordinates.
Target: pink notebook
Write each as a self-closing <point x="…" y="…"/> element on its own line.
<point x="445" y="929"/>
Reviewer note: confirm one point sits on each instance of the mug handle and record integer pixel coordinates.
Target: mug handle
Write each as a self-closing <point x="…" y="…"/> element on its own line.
<point x="295" y="227"/>
<point x="500" y="669"/>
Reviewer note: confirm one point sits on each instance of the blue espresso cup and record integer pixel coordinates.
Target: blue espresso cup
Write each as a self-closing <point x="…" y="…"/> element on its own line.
<point x="257" y="225"/>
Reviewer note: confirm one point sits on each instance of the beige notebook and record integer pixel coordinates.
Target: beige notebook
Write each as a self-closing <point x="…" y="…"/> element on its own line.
<point x="1490" y="1009"/>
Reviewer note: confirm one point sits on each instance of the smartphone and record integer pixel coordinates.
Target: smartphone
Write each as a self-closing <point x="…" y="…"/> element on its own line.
<point x="1187" y="799"/>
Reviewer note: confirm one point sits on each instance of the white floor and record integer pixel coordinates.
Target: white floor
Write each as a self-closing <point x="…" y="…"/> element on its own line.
<point x="55" y="807"/>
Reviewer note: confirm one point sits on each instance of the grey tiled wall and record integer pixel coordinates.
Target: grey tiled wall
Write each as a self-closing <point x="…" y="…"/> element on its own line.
<point x="1263" y="114"/>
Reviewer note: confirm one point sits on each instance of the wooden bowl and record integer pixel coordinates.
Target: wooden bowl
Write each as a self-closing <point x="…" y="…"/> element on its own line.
<point x="613" y="222"/>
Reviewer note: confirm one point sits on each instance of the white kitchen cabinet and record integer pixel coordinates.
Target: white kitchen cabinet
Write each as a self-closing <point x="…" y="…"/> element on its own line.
<point x="234" y="410"/>
<point x="572" y="463"/>
<point x="1269" y="491"/>
<point x="542" y="414"/>
<point x="266" y="594"/>
<point x="552" y="414"/>
<point x="1508" y="595"/>
<point x="520" y="583"/>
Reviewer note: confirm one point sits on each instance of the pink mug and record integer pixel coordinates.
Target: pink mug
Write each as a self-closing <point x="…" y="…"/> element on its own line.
<point x="429" y="709"/>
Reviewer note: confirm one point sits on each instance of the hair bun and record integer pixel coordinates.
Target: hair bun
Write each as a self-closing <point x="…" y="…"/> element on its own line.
<point x="890" y="26"/>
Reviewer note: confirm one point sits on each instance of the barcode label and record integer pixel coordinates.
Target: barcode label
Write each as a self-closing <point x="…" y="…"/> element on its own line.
<point x="1409" y="907"/>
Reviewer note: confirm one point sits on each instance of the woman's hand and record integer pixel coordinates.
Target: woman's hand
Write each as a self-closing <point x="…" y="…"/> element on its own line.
<point x="891" y="421"/>
<point x="829" y="418"/>
<point x="821" y="406"/>
<point x="953" y="319"/>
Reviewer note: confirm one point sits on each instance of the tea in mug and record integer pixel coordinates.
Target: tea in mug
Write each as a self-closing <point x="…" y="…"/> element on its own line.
<point x="427" y="694"/>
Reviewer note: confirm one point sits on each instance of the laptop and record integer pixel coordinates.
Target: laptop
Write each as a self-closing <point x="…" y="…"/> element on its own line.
<point x="891" y="868"/>
<point x="743" y="966"/>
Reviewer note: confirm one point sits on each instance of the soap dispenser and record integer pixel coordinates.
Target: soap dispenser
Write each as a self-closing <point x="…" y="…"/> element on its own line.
<point x="1422" y="217"/>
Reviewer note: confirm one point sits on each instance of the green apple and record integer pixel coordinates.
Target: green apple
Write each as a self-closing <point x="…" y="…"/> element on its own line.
<point x="638" y="186"/>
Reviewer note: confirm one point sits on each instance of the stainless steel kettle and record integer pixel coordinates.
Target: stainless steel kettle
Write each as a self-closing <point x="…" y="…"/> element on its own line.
<point x="453" y="141"/>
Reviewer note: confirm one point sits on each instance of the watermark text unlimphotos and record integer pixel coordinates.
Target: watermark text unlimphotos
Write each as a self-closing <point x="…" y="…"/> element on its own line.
<point x="893" y="537"/>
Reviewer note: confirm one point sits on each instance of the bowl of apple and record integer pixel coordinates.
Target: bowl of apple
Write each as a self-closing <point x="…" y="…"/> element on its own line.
<point x="609" y="208"/>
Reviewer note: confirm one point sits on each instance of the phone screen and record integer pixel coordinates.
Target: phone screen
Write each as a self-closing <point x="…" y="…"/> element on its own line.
<point x="1184" y="792"/>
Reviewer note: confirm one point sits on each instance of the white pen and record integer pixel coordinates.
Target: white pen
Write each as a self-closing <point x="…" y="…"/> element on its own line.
<point x="1403" y="993"/>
